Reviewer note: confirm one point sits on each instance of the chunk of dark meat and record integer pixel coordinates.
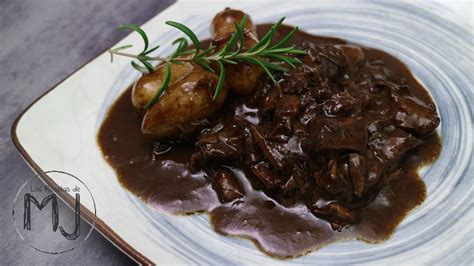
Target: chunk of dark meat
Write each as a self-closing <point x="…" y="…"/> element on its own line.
<point x="271" y="153"/>
<point x="298" y="83"/>
<point x="331" y="185"/>
<point x="290" y="186"/>
<point x="378" y="71"/>
<point x="226" y="185"/>
<point x="375" y="169"/>
<point x="353" y="55"/>
<point x="269" y="179"/>
<point x="339" y="103"/>
<point x="251" y="154"/>
<point x="282" y="129"/>
<point x="379" y="98"/>
<point x="288" y="105"/>
<point x="332" y="181"/>
<point x="357" y="170"/>
<point x="327" y="60"/>
<point x="298" y="174"/>
<point x="361" y="97"/>
<point x="390" y="143"/>
<point x="394" y="175"/>
<point x="414" y="115"/>
<point x="270" y="100"/>
<point x="332" y="61"/>
<point x="339" y="215"/>
<point x="320" y="89"/>
<point x="338" y="134"/>
<point x="310" y="112"/>
<point x="292" y="189"/>
<point x="219" y="147"/>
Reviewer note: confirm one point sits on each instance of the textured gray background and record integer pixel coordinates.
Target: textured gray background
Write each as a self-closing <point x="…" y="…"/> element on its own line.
<point x="42" y="42"/>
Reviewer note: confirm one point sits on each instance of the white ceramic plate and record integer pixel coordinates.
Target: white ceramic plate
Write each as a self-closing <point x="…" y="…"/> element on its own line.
<point x="58" y="132"/>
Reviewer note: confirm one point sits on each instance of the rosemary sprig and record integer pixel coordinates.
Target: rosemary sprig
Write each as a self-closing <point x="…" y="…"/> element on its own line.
<point x="268" y="57"/>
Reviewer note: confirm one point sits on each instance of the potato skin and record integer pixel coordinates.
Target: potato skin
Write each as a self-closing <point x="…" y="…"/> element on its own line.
<point x="223" y="25"/>
<point x="147" y="86"/>
<point x="240" y="78"/>
<point x="187" y="101"/>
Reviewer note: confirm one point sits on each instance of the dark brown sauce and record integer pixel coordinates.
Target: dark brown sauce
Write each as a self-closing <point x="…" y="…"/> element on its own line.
<point x="166" y="182"/>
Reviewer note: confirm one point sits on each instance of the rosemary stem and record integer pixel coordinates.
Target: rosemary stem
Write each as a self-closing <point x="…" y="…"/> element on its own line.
<point x="157" y="58"/>
<point x="161" y="59"/>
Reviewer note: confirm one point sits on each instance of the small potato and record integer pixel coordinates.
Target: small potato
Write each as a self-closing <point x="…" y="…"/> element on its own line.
<point x="147" y="86"/>
<point x="223" y="27"/>
<point x="240" y="78"/>
<point x="187" y="100"/>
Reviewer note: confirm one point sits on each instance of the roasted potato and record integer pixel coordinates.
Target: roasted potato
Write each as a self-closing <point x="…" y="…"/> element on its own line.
<point x="240" y="78"/>
<point x="187" y="100"/>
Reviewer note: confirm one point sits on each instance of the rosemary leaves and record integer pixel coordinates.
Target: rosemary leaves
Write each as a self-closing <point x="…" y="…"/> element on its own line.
<point x="264" y="54"/>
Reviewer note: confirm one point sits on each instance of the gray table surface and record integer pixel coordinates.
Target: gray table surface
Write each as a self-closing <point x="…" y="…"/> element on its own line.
<point x="42" y="42"/>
